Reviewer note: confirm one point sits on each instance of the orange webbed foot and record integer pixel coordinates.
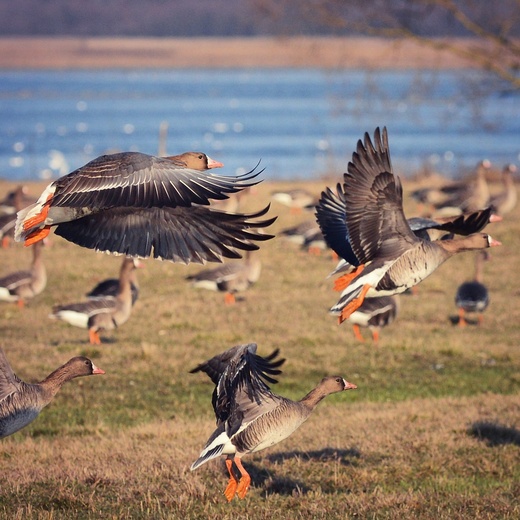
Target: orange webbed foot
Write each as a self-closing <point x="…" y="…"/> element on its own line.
<point x="37" y="235"/>
<point x="94" y="338"/>
<point x="231" y="489"/>
<point x="40" y="217"/>
<point x="229" y="299"/>
<point x="357" y="333"/>
<point x="353" y="305"/>
<point x="243" y="486"/>
<point x="343" y="281"/>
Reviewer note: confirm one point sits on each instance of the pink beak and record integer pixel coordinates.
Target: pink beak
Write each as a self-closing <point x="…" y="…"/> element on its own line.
<point x="349" y="386"/>
<point x="214" y="164"/>
<point x="96" y="370"/>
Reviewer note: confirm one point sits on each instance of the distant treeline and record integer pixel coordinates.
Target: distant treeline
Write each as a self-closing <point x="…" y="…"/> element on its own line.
<point x="183" y="18"/>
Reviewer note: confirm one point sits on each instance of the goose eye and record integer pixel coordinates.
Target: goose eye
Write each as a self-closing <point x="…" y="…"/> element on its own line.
<point x="201" y="156"/>
<point x="339" y="380"/>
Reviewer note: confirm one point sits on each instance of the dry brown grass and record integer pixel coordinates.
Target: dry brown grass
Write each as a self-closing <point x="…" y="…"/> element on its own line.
<point x="401" y="446"/>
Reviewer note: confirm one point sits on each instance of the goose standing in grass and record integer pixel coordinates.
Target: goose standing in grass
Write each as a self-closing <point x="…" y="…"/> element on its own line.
<point x="473" y="296"/>
<point x="249" y="416"/>
<point x="21" y="403"/>
<point x="101" y="314"/>
<point x="374" y="314"/>
<point x="12" y="203"/>
<point x="230" y="278"/>
<point x="505" y="201"/>
<point x="387" y="257"/>
<point x="140" y="205"/>
<point x="22" y="286"/>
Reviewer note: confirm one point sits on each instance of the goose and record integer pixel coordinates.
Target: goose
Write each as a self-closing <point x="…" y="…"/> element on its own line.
<point x="297" y="199"/>
<point x="468" y="196"/>
<point x="139" y="205"/>
<point x="505" y="201"/>
<point x="331" y="217"/>
<point x="249" y="416"/>
<point x="388" y="258"/>
<point x="101" y="313"/>
<point x="109" y="287"/>
<point x="473" y="296"/>
<point x="374" y="314"/>
<point x="12" y="203"/>
<point x="21" y="403"/>
<point x="230" y="278"/>
<point x="22" y="286"/>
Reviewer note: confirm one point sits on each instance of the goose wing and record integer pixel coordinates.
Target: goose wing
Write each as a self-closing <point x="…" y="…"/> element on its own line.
<point x="374" y="203"/>
<point x="331" y="216"/>
<point x="14" y="280"/>
<point x="135" y="179"/>
<point x="9" y="382"/>
<point x="181" y="234"/>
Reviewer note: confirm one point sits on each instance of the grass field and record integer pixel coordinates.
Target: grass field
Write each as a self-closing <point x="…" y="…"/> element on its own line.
<point x="433" y="430"/>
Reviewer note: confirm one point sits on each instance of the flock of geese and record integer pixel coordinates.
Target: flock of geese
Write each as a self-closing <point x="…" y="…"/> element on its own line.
<point x="142" y="206"/>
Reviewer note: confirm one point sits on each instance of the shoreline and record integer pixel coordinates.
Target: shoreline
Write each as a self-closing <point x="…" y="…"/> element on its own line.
<point x="259" y="52"/>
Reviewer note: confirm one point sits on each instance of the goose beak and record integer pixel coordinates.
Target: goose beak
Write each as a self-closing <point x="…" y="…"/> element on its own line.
<point x="349" y="386"/>
<point x="495" y="218"/>
<point x="493" y="242"/>
<point x="214" y="164"/>
<point x="96" y="370"/>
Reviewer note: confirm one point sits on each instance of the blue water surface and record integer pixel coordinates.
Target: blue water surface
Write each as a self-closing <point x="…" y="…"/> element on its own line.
<point x="301" y="124"/>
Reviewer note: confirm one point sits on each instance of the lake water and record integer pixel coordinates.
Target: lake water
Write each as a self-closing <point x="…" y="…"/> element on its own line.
<point x="298" y="123"/>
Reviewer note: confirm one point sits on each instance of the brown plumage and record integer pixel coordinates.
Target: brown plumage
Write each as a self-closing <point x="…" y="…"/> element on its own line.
<point x="21" y="403"/>
<point x="22" y="286"/>
<point x="390" y="258"/>
<point x="505" y="201"/>
<point x="102" y="313"/>
<point x="230" y="278"/>
<point x="140" y="205"/>
<point x="249" y="416"/>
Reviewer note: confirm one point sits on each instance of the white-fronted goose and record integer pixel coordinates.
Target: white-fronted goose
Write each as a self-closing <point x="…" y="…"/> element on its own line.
<point x="249" y="416"/>
<point x="473" y="296"/>
<point x="299" y="233"/>
<point x="22" y="286"/>
<point x="101" y="313"/>
<point x="505" y="201"/>
<point x="21" y="403"/>
<point x="390" y="258"/>
<point x="374" y="314"/>
<point x="471" y="195"/>
<point x="140" y="205"/>
<point x="229" y="278"/>
<point x="297" y="199"/>
<point x="110" y="287"/>
<point x="331" y="216"/>
<point x="12" y="203"/>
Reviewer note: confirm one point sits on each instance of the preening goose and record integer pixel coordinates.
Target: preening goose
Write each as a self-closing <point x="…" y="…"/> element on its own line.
<point x="473" y="296"/>
<point x="230" y="278"/>
<point x="101" y="313"/>
<point x="140" y="205"/>
<point x="387" y="256"/>
<point x="21" y="286"/>
<point x="249" y="416"/>
<point x="21" y="403"/>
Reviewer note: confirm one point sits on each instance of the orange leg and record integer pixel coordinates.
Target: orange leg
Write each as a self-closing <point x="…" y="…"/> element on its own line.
<point x="462" y="319"/>
<point x="20" y="303"/>
<point x="342" y="282"/>
<point x="375" y="335"/>
<point x="357" y="333"/>
<point x="229" y="299"/>
<point x="40" y="217"/>
<point x="354" y="304"/>
<point x="93" y="337"/>
<point x="37" y="235"/>
<point x="245" y="480"/>
<point x="314" y="251"/>
<point x="5" y="242"/>
<point x="480" y="319"/>
<point x="232" y="484"/>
